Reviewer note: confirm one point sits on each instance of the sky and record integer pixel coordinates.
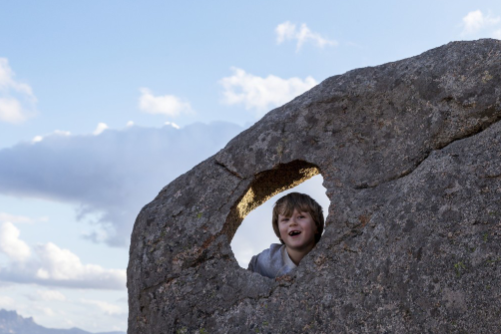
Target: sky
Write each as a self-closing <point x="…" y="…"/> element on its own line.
<point x="103" y="103"/>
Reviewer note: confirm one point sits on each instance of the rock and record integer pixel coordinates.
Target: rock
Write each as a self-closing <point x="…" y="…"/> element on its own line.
<point x="410" y="153"/>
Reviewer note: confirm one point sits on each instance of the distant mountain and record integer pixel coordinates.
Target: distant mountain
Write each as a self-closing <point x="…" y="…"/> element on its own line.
<point x="12" y="323"/>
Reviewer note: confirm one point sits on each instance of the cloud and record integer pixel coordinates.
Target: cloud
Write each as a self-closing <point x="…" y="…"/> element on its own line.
<point x="174" y="125"/>
<point x="5" y="217"/>
<point x="11" y="111"/>
<point x="48" y="295"/>
<point x="72" y="310"/>
<point x="47" y="311"/>
<point x="62" y="267"/>
<point x="55" y="133"/>
<point x="109" y="177"/>
<point x="169" y="105"/>
<point x="11" y="245"/>
<point x="100" y="128"/>
<point x="52" y="266"/>
<point x="17" y="101"/>
<point x="260" y="93"/>
<point x="107" y="308"/>
<point x="37" y="139"/>
<point x="475" y="21"/>
<point x="7" y="302"/>
<point x="285" y="31"/>
<point x="288" y="31"/>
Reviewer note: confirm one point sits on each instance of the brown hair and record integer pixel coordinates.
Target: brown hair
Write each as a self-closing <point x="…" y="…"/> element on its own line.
<point x="286" y="205"/>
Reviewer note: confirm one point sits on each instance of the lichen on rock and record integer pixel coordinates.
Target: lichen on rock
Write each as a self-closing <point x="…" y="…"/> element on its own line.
<point x="410" y="154"/>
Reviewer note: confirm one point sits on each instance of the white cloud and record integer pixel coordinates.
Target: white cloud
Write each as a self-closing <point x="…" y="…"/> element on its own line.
<point x="5" y="217"/>
<point x="53" y="309"/>
<point x="48" y="295"/>
<point x="288" y="31"/>
<point x="60" y="133"/>
<point x="169" y="105"/>
<point x="7" y="303"/>
<point x="37" y="139"/>
<point x="7" y="79"/>
<point x="475" y="21"/>
<point x="52" y="266"/>
<point x="109" y="178"/>
<point x="105" y="307"/>
<point x="47" y="311"/>
<point x="260" y="93"/>
<point x="11" y="111"/>
<point x="174" y="125"/>
<point x="11" y="245"/>
<point x="285" y="31"/>
<point x="17" y="101"/>
<point x="129" y="124"/>
<point x="100" y="128"/>
<point x="62" y="265"/>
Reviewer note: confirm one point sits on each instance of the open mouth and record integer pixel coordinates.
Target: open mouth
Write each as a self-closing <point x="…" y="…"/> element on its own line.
<point x="294" y="233"/>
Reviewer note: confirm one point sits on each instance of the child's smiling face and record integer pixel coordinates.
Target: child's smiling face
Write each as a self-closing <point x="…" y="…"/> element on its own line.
<point x="297" y="231"/>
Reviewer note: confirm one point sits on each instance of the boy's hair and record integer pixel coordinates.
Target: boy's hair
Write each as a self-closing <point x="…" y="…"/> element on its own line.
<point x="301" y="202"/>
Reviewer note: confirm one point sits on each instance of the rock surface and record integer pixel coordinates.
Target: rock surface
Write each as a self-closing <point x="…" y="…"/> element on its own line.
<point x="410" y="153"/>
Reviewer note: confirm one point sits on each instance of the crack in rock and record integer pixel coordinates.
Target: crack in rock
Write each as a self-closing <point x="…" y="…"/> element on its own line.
<point x="474" y="132"/>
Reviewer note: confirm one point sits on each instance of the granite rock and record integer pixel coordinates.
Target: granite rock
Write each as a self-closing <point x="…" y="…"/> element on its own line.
<point x="410" y="154"/>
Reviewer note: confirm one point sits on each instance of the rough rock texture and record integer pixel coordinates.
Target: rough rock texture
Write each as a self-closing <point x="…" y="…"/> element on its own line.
<point x="410" y="153"/>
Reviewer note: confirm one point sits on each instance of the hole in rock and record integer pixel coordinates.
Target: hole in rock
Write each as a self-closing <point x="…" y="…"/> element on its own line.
<point x="255" y="233"/>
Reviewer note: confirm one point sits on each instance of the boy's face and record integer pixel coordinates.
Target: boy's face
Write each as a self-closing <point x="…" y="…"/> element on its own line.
<point x="297" y="231"/>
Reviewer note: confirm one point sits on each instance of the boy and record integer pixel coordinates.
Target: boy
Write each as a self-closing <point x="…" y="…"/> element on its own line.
<point x="298" y="222"/>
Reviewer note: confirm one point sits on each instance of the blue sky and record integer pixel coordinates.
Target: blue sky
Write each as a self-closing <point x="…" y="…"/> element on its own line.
<point x="102" y="103"/>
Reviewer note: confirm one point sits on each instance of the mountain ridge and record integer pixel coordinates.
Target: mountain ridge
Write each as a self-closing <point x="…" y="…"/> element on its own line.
<point x="13" y="323"/>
